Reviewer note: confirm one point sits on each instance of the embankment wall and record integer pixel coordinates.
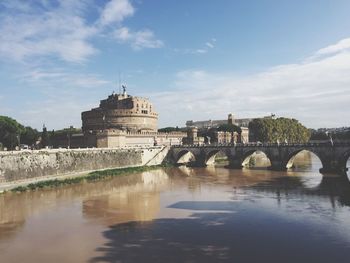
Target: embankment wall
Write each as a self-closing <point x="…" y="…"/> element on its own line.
<point x="22" y="165"/>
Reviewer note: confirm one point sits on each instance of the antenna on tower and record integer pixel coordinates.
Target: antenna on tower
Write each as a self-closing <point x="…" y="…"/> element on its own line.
<point x="119" y="84"/>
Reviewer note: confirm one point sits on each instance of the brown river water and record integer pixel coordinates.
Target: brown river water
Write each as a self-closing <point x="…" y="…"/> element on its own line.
<point x="184" y="214"/>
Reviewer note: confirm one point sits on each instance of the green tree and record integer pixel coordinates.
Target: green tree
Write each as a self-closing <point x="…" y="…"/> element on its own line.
<point x="230" y="128"/>
<point x="169" y="129"/>
<point x="29" y="136"/>
<point x="45" y="138"/>
<point x="10" y="132"/>
<point x="280" y="129"/>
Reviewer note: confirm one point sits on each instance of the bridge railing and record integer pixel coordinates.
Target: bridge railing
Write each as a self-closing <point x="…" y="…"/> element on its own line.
<point x="259" y="144"/>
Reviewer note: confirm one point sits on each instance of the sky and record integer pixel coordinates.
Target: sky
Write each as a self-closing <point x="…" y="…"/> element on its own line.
<point x="194" y="59"/>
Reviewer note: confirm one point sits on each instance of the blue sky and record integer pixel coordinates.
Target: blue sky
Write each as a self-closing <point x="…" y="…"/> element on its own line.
<point x="196" y="59"/>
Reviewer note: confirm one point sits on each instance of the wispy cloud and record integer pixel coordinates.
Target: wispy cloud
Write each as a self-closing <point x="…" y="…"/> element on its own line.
<point x="60" y="97"/>
<point x="210" y="45"/>
<point x="55" y="112"/>
<point x="116" y="11"/>
<point x="58" y="77"/>
<point x="61" y="30"/>
<point x="206" y="47"/>
<point x="200" y="51"/>
<point x="316" y="91"/>
<point x="138" y="39"/>
<point x="32" y="32"/>
<point x="342" y="45"/>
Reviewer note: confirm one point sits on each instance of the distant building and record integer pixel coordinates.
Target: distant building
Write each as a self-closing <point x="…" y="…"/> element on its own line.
<point x="227" y="137"/>
<point x="209" y="134"/>
<point x="216" y="123"/>
<point x="192" y="137"/>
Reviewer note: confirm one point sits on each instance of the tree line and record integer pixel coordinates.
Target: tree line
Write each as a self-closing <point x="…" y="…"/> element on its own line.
<point x="12" y="133"/>
<point x="321" y="135"/>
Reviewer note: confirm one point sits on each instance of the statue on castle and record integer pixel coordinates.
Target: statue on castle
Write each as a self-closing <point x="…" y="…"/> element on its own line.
<point x="124" y="89"/>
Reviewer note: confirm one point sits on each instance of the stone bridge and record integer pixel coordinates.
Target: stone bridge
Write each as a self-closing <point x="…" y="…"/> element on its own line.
<point x="332" y="156"/>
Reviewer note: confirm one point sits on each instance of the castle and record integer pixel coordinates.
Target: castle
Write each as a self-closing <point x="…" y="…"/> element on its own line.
<point x="123" y="120"/>
<point x="122" y="112"/>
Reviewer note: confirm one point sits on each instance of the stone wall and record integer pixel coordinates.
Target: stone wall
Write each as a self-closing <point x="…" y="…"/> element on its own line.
<point x="15" y="166"/>
<point x="118" y="138"/>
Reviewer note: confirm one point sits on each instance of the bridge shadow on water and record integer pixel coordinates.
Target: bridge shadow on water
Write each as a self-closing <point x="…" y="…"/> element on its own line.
<point x="228" y="231"/>
<point x="335" y="188"/>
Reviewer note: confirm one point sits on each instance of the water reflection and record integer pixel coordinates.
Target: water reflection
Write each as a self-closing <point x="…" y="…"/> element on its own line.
<point x="184" y="214"/>
<point x="306" y="166"/>
<point x="138" y="202"/>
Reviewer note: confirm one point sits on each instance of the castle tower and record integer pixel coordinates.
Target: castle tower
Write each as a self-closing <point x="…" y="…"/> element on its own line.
<point x="192" y="132"/>
<point x="121" y="112"/>
<point x="231" y="119"/>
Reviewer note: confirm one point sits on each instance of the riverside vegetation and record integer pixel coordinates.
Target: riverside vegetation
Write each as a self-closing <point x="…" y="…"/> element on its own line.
<point x="91" y="177"/>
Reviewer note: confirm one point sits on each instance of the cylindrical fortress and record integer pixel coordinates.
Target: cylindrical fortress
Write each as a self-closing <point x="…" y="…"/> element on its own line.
<point x="121" y="111"/>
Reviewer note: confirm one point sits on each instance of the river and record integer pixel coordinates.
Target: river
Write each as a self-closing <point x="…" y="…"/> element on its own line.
<point x="184" y="214"/>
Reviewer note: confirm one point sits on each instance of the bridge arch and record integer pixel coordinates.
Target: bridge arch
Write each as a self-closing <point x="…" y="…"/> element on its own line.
<point x="291" y="157"/>
<point x="248" y="158"/>
<point x="345" y="162"/>
<point x="184" y="156"/>
<point x="212" y="155"/>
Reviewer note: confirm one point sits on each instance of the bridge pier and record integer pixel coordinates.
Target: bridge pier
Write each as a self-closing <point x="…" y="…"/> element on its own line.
<point x="333" y="167"/>
<point x="277" y="165"/>
<point x="235" y="164"/>
<point x="201" y="160"/>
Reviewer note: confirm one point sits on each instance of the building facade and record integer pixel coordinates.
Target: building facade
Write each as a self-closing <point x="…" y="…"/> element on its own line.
<point x="216" y="123"/>
<point x="209" y="133"/>
<point x="122" y="112"/>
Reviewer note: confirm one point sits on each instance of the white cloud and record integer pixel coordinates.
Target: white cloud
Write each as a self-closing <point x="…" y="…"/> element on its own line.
<point x="116" y="11"/>
<point x="207" y="46"/>
<point x="315" y="91"/>
<point x="46" y="30"/>
<point x="342" y="45"/>
<point x="210" y="45"/>
<point x="58" y="77"/>
<point x="138" y="39"/>
<point x="55" y="112"/>
<point x="60" y="97"/>
<point x="201" y="51"/>
<point x="59" y="32"/>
